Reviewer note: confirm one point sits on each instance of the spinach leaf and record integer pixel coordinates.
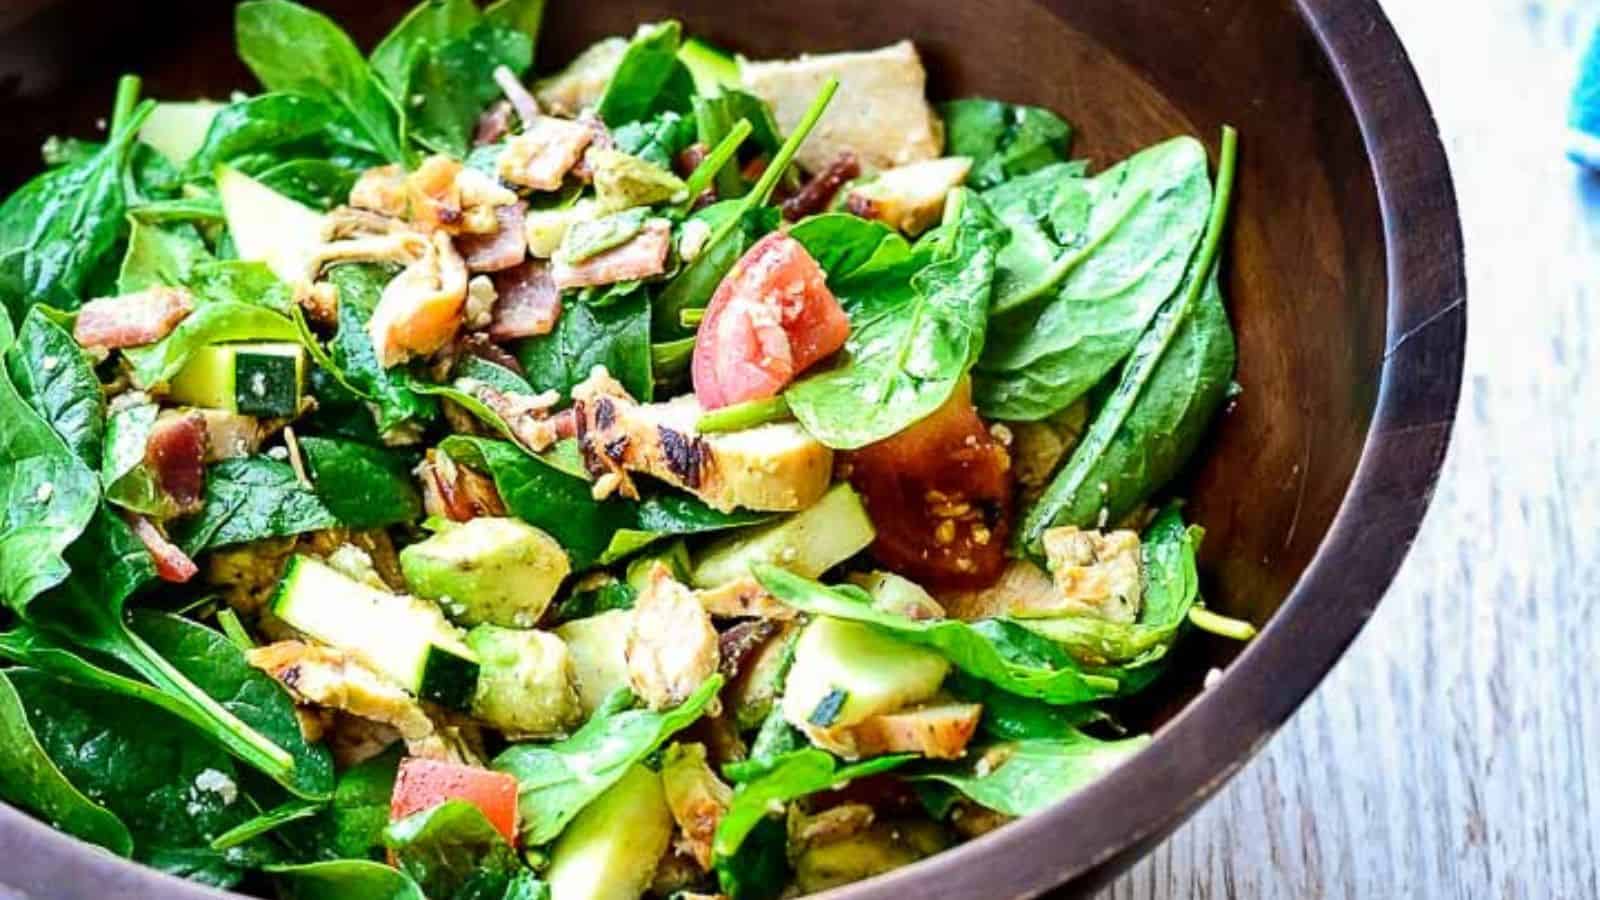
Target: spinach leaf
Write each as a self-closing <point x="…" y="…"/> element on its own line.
<point x="427" y="25"/>
<point x="791" y="776"/>
<point x="616" y="336"/>
<point x="451" y="850"/>
<point x="1167" y="393"/>
<point x="550" y="497"/>
<point x="249" y="499"/>
<point x="343" y="879"/>
<point x="264" y="124"/>
<point x="208" y="659"/>
<point x="362" y="486"/>
<point x="296" y="50"/>
<point x="1009" y="717"/>
<point x="997" y="651"/>
<point x="160" y="255"/>
<point x="759" y="869"/>
<point x="351" y="825"/>
<point x="1119" y="252"/>
<point x="912" y="339"/>
<point x="47" y="494"/>
<point x="557" y="780"/>
<point x="173" y="789"/>
<point x="455" y="81"/>
<point x="237" y="281"/>
<point x="1027" y="776"/>
<point x="55" y="378"/>
<point x="650" y="79"/>
<point x="1003" y="140"/>
<point x="30" y="779"/>
<point x="267" y="822"/>
<point x="59" y="229"/>
<point x="1130" y="652"/>
<point x="350" y="356"/>
<point x="657" y="141"/>
<point x="692" y="287"/>
<point x="317" y="183"/>
<point x="525" y="16"/>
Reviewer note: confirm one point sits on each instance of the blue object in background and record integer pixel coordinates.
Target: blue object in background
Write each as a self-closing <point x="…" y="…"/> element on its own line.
<point x="1583" y="121"/>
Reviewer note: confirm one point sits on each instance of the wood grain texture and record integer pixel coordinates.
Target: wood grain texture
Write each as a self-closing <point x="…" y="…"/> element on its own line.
<point x="1455" y="751"/>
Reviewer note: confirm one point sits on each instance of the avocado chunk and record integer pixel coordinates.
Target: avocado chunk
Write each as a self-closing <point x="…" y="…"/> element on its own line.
<point x="880" y="848"/>
<point x="598" y="645"/>
<point x="622" y="181"/>
<point x="845" y="672"/>
<point x="495" y="570"/>
<point x="807" y="543"/>
<point x="610" y="851"/>
<point x="546" y="229"/>
<point x="526" y="682"/>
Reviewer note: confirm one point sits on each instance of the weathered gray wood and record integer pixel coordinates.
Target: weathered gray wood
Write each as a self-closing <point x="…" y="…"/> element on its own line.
<point x="1455" y="751"/>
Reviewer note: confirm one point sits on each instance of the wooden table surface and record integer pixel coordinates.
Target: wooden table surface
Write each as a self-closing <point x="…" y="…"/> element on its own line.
<point x="1455" y="750"/>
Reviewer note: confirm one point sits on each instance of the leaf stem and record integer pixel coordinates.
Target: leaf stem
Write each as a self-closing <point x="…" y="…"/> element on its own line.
<point x="791" y="146"/>
<point x="741" y="416"/>
<point x="1221" y="625"/>
<point x="719" y="156"/>
<point x="691" y="318"/>
<point x="121" y="108"/>
<point x="234" y="629"/>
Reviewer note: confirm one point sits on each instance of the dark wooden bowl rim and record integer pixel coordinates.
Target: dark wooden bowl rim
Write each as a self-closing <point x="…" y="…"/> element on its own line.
<point x="1097" y="832"/>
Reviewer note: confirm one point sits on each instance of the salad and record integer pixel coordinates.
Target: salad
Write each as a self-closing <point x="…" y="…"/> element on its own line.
<point x="671" y="475"/>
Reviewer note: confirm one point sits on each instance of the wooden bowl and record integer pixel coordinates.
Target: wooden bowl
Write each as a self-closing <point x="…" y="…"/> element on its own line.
<point x="1344" y="281"/>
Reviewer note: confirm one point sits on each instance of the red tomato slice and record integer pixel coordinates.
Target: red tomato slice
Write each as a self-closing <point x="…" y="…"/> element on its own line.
<point x="424" y="783"/>
<point x="770" y="319"/>
<point x="940" y="495"/>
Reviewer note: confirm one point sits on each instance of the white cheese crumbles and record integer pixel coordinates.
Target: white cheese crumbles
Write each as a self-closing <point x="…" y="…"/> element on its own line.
<point x="209" y="787"/>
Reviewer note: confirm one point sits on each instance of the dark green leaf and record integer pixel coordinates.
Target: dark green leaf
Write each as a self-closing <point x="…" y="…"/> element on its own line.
<point x="650" y="79"/>
<point x="352" y="823"/>
<point x="266" y="123"/>
<point x="558" y="780"/>
<point x="759" y="869"/>
<point x="451" y="850"/>
<point x="343" y="879"/>
<point x="30" y="780"/>
<point x="616" y="336"/>
<point x="794" y="775"/>
<point x="455" y="81"/>
<point x="317" y="183"/>
<point x="55" y="378"/>
<point x="250" y="499"/>
<point x="352" y="359"/>
<point x="362" y="486"/>
<point x="160" y="255"/>
<point x="1003" y="140"/>
<point x="1024" y="777"/>
<point x="657" y="141"/>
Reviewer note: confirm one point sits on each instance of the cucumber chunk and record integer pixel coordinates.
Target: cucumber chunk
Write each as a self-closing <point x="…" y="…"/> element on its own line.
<point x="403" y="637"/>
<point x="610" y="851"/>
<point x="845" y="672"/>
<point x="258" y="379"/>
<point x="807" y="543"/>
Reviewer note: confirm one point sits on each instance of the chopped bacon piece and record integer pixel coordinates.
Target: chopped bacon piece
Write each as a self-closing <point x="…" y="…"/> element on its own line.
<point x="176" y="454"/>
<point x="172" y="564"/>
<point x="690" y="159"/>
<point x="542" y="155"/>
<point x="501" y="249"/>
<point x="818" y="193"/>
<point x="131" y="320"/>
<point x="529" y="303"/>
<point x="494" y="123"/>
<point x="641" y="257"/>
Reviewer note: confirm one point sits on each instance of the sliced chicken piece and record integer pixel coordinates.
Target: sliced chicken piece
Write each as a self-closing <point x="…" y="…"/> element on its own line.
<point x="381" y="189"/>
<point x="446" y="196"/>
<point x="671" y="646"/>
<point x="324" y="676"/>
<point x="644" y="255"/>
<point x="1022" y="585"/>
<point x="500" y="249"/>
<point x="910" y="198"/>
<point x="697" y="797"/>
<point x="420" y="310"/>
<point x="1097" y="574"/>
<point x="938" y="732"/>
<point x="527" y="302"/>
<point x="776" y="467"/>
<point x="881" y="113"/>
<point x="541" y="156"/>
<point x="744" y="598"/>
<point x="131" y="320"/>
<point x="172" y="564"/>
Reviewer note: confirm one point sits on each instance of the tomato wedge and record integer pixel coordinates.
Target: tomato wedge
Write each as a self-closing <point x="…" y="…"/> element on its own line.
<point x="424" y="783"/>
<point x="939" y="495"/>
<point x="770" y="319"/>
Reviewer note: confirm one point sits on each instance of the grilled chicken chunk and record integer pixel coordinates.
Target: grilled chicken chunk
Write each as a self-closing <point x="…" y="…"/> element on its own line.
<point x="1095" y="573"/>
<point x="672" y="647"/>
<point x="776" y="467"/>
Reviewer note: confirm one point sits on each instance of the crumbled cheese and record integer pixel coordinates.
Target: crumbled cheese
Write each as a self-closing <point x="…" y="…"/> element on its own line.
<point x="692" y="239"/>
<point x="1212" y="678"/>
<point x="258" y="384"/>
<point x="45" y="492"/>
<point x="280" y="454"/>
<point x="49" y="363"/>
<point x="213" y="782"/>
<point x="481" y="296"/>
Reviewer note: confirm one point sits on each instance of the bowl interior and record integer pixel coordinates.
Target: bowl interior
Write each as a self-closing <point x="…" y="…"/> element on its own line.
<point x="1304" y="266"/>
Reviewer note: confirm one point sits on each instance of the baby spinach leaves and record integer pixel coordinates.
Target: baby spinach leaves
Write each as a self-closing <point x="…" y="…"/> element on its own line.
<point x="351" y="359"/>
<point x="250" y="499"/>
<point x="913" y="331"/>
<point x="361" y="485"/>
<point x="299" y="51"/>
<point x="997" y="651"/>
<point x="1003" y="140"/>
<point x="650" y="79"/>
<point x="1121" y="242"/>
<point x="343" y="879"/>
<point x="1168" y="391"/>
<point x="616" y="335"/>
<point x="557" y="780"/>
<point x="451" y="851"/>
<point x="1026" y="776"/>
<point x="31" y="780"/>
